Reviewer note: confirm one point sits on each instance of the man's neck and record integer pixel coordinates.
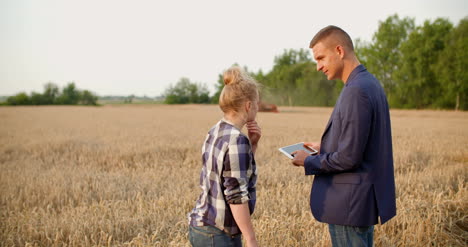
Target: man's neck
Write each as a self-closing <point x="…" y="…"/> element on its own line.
<point x="348" y="69"/>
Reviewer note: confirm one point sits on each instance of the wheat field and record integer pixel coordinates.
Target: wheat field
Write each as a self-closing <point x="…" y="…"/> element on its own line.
<point x="128" y="175"/>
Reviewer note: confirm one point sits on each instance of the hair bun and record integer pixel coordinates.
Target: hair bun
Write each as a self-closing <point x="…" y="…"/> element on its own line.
<point x="239" y="86"/>
<point x="232" y="75"/>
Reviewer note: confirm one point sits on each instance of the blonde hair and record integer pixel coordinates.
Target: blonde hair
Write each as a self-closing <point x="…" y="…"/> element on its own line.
<point x="238" y="88"/>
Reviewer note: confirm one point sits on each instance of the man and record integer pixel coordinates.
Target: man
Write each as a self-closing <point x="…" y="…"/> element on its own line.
<point x="354" y="181"/>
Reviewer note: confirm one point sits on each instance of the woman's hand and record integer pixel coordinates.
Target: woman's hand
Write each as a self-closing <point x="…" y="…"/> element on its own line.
<point x="254" y="131"/>
<point x="251" y="243"/>
<point x="241" y="214"/>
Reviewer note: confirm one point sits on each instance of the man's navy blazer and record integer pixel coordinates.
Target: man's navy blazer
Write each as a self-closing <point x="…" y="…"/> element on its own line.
<point x="354" y="180"/>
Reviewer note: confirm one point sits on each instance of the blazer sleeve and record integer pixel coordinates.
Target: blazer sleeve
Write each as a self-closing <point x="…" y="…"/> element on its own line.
<point x="355" y="115"/>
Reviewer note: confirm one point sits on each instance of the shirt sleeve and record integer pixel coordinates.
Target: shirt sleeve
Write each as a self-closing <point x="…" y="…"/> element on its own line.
<point x="355" y="116"/>
<point x="237" y="166"/>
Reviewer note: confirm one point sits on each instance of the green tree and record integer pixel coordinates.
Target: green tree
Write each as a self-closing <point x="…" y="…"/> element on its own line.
<point x="452" y="67"/>
<point x="417" y="81"/>
<point x="19" y="99"/>
<point x="294" y="80"/>
<point x="70" y="95"/>
<point x="88" y="98"/>
<point x="51" y="92"/>
<point x="287" y="70"/>
<point x="37" y="99"/>
<point x="185" y="92"/>
<point x="382" y="57"/>
<point x="203" y="94"/>
<point x="49" y="96"/>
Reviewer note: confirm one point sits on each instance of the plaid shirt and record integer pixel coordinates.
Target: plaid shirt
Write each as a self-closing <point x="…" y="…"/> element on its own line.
<point x="228" y="176"/>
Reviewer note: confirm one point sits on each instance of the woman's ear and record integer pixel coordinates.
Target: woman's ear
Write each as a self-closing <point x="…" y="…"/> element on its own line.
<point x="248" y="106"/>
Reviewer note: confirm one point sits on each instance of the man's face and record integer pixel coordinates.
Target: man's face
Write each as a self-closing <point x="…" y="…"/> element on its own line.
<point x="328" y="60"/>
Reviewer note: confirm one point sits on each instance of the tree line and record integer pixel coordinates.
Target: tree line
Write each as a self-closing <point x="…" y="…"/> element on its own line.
<point x="52" y="95"/>
<point x="420" y="67"/>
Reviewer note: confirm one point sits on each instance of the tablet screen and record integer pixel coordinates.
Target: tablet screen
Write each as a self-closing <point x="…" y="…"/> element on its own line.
<point x="287" y="150"/>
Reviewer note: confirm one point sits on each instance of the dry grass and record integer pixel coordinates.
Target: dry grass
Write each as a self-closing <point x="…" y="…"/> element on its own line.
<point x="127" y="176"/>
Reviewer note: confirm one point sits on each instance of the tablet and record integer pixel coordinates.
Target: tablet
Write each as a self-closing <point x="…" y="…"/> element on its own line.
<point x="287" y="150"/>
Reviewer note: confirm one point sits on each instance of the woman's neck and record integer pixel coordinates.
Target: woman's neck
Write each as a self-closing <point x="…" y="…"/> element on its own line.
<point x="235" y="119"/>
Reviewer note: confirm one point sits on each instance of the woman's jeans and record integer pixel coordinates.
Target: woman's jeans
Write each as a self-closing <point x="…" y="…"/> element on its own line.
<point x="351" y="236"/>
<point x="207" y="236"/>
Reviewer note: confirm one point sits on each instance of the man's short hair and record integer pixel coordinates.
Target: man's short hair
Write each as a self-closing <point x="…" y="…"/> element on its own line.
<point x="339" y="35"/>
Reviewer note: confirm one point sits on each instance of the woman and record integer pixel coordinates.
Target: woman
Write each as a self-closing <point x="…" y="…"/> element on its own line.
<point x="229" y="173"/>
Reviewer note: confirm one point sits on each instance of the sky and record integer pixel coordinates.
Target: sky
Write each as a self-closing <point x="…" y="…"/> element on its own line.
<point x="114" y="47"/>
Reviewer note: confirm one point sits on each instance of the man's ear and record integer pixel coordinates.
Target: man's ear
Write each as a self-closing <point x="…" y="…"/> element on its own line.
<point x="340" y="51"/>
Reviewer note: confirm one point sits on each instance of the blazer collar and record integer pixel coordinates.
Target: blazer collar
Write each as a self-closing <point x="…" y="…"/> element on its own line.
<point x="355" y="72"/>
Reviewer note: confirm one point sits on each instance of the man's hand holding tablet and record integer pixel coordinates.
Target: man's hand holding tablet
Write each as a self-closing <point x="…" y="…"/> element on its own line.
<point x="298" y="152"/>
<point x="291" y="149"/>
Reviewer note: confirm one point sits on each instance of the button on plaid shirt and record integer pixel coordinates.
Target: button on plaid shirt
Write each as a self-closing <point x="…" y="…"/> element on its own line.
<point x="228" y="176"/>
